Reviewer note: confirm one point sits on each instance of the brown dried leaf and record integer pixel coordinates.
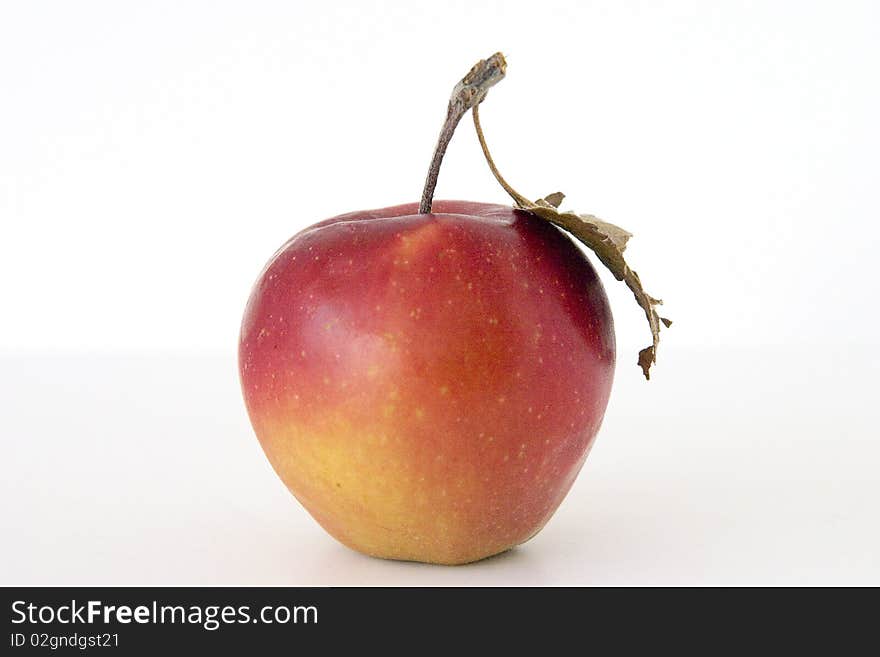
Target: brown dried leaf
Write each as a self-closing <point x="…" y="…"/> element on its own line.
<point x="618" y="236"/>
<point x="554" y="199"/>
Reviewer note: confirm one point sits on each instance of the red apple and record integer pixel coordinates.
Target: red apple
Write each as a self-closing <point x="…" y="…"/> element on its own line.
<point x="428" y="385"/>
<point x="428" y="379"/>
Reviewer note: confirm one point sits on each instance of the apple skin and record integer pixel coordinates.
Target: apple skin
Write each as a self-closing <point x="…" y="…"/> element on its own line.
<point x="428" y="386"/>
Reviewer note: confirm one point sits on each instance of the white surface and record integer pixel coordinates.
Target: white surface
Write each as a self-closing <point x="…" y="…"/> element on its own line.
<point x="733" y="467"/>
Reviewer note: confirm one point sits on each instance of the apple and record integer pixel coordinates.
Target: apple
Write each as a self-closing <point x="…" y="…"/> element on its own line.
<point x="427" y="379"/>
<point x="428" y="385"/>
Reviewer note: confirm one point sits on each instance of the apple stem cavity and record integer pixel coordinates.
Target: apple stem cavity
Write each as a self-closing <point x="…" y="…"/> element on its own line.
<point x="467" y="94"/>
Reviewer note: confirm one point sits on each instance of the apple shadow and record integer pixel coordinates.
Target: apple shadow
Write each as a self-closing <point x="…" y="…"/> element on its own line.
<point x="336" y="565"/>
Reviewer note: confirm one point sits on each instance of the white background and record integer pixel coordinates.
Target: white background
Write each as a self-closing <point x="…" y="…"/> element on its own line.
<point x="154" y="155"/>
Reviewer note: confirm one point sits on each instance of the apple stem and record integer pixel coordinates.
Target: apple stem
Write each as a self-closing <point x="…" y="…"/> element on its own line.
<point x="521" y="200"/>
<point x="467" y="94"/>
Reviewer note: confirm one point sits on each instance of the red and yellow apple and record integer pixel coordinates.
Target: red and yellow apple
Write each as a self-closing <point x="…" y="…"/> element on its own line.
<point x="428" y="385"/>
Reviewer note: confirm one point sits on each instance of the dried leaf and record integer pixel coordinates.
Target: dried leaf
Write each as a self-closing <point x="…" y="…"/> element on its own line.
<point x="618" y="236"/>
<point x="554" y="199"/>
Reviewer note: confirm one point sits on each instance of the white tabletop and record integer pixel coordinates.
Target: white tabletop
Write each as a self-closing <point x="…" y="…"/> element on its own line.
<point x="730" y="467"/>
